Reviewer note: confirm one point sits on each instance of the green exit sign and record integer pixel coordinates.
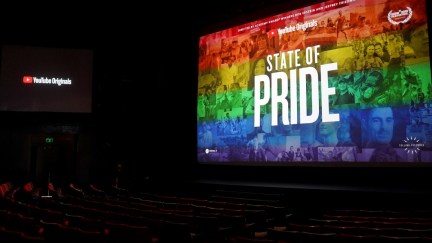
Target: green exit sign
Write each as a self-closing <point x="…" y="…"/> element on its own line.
<point x="49" y="140"/>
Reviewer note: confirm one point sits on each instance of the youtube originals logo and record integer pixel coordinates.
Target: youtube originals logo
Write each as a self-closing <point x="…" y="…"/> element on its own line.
<point x="46" y="81"/>
<point x="27" y="79"/>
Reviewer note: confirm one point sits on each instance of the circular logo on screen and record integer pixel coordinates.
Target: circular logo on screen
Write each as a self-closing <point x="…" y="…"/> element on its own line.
<point x="411" y="145"/>
<point x="207" y="151"/>
<point x="401" y="16"/>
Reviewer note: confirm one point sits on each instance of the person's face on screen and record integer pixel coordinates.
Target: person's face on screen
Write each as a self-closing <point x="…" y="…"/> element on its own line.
<point x="259" y="67"/>
<point x="342" y="86"/>
<point x="379" y="50"/>
<point x="328" y="128"/>
<point x="380" y="125"/>
<point x="261" y="42"/>
<point x="370" y="50"/>
<point x="224" y="44"/>
<point x="360" y="63"/>
<point x="420" y="41"/>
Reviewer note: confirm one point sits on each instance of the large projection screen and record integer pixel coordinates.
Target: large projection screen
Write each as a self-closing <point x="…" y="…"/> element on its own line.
<point x="343" y="82"/>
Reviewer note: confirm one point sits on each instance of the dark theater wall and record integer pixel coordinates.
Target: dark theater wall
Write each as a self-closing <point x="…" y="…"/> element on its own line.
<point x="139" y="87"/>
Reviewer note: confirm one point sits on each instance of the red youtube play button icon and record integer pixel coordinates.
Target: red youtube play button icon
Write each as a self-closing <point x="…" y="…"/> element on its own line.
<point x="27" y="79"/>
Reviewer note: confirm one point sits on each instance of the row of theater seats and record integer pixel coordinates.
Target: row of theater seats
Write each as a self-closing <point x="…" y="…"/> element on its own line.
<point x="196" y="217"/>
<point x="353" y="225"/>
<point x="140" y="217"/>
